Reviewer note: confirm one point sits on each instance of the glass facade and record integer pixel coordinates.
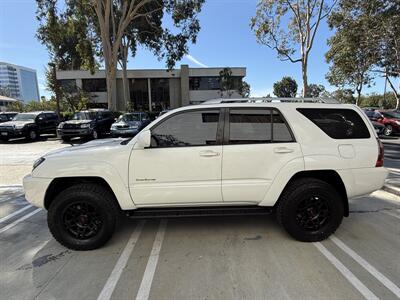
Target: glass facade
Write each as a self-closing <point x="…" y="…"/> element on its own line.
<point x="211" y="83"/>
<point x="29" y="85"/>
<point x="94" y="85"/>
<point x="159" y="94"/>
<point x="20" y="82"/>
<point x="139" y="94"/>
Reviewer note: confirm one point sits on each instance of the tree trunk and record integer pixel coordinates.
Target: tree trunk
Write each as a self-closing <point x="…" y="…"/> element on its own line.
<point x="396" y="94"/>
<point x="111" y="86"/>
<point x="304" y="76"/>
<point x="125" y="84"/>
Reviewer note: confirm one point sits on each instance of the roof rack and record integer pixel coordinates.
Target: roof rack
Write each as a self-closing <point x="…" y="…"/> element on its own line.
<point x="273" y="100"/>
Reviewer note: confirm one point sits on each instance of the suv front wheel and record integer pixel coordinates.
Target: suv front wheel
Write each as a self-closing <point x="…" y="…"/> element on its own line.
<point x="310" y="210"/>
<point x="83" y="217"/>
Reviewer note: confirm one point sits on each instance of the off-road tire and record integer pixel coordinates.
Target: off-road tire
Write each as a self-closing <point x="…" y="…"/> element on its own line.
<point x="295" y="194"/>
<point x="94" y="194"/>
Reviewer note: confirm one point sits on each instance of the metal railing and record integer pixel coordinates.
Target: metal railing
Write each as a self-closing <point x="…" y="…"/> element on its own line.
<point x="273" y="100"/>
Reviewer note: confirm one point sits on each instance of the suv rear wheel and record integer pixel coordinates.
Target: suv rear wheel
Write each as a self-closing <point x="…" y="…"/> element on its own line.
<point x="83" y="216"/>
<point x="310" y="210"/>
<point x="32" y="135"/>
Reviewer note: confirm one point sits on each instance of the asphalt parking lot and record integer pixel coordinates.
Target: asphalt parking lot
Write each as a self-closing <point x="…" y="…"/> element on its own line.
<point x="199" y="258"/>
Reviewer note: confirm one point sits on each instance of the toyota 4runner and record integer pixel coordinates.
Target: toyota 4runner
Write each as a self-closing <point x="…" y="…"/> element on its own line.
<point x="301" y="161"/>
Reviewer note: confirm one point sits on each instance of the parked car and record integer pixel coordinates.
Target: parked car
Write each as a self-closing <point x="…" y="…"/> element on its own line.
<point x="232" y="158"/>
<point x="389" y="119"/>
<point x="130" y="124"/>
<point x="88" y="123"/>
<point x="7" y="116"/>
<point x="29" y="125"/>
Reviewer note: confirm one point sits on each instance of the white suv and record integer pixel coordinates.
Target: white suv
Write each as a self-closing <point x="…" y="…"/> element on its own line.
<point x="302" y="161"/>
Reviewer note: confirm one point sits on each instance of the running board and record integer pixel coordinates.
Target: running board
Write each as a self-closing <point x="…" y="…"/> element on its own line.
<point x="184" y="212"/>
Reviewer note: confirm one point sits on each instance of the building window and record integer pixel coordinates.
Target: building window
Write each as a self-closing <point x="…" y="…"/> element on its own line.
<point x="211" y="83"/>
<point x="94" y="85"/>
<point x="203" y="83"/>
<point x="68" y="85"/>
<point x="159" y="94"/>
<point x="139" y="94"/>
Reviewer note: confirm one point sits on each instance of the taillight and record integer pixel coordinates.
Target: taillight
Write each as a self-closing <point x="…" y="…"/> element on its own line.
<point x="379" y="161"/>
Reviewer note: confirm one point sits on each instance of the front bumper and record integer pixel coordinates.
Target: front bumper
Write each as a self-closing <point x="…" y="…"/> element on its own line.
<point x="14" y="133"/>
<point x="74" y="132"/>
<point x="35" y="189"/>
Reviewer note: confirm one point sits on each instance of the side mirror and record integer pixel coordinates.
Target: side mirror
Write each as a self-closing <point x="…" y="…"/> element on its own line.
<point x="143" y="140"/>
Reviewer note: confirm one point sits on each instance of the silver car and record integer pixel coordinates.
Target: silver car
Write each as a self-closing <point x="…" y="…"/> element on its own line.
<point x="130" y="124"/>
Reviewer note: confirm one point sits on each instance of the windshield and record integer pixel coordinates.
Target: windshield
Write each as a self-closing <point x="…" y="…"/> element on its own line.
<point x="24" y="117"/>
<point x="130" y="117"/>
<point x="84" y="116"/>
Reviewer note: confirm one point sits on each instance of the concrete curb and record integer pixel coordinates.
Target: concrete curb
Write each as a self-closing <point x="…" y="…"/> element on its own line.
<point x="391" y="189"/>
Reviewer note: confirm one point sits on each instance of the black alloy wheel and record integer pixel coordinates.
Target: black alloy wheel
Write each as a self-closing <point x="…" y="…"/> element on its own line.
<point x="312" y="213"/>
<point x="82" y="219"/>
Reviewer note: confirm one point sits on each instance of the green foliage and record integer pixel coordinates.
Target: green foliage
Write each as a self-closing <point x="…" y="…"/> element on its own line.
<point x="315" y="90"/>
<point x="344" y="96"/>
<point x="226" y="82"/>
<point x="287" y="87"/>
<point x="366" y="43"/>
<point x="67" y="35"/>
<point x="387" y="101"/>
<point x="16" y="106"/>
<point x="5" y="91"/>
<point x="244" y="89"/>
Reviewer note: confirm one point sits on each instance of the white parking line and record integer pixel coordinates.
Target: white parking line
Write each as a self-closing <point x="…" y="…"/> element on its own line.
<point x="109" y="287"/>
<point x="14" y="214"/>
<point x="374" y="272"/>
<point x="144" y="289"/>
<point x="346" y="272"/>
<point x="19" y="220"/>
<point x="391" y="214"/>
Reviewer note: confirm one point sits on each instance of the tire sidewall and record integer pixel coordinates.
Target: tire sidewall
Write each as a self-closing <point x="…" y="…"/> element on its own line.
<point x="55" y="220"/>
<point x="336" y="211"/>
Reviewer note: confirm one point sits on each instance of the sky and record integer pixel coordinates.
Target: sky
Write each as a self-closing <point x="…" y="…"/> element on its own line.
<point x="225" y="40"/>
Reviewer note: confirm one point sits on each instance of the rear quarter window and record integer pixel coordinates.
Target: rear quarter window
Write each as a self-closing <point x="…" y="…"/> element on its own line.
<point x="337" y="123"/>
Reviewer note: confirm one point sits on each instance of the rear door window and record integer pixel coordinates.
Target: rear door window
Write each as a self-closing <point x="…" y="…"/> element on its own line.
<point x="257" y="126"/>
<point x="337" y="123"/>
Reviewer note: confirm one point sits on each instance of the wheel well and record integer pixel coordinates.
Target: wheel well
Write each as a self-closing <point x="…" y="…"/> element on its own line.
<point x="329" y="176"/>
<point x="60" y="184"/>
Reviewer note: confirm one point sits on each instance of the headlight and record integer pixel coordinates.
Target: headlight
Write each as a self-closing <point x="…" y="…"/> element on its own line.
<point x="61" y="125"/>
<point x="398" y="122"/>
<point x="113" y="126"/>
<point x="37" y="163"/>
<point x="85" y="125"/>
<point x="19" y="126"/>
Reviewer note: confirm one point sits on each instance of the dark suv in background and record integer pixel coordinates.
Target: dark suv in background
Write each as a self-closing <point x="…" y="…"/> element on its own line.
<point x="29" y="125"/>
<point x="89" y="123"/>
<point x="7" y="116"/>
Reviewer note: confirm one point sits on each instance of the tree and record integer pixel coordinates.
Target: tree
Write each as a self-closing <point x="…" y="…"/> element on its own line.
<point x="114" y="19"/>
<point x="344" y="96"/>
<point x="244" y="89"/>
<point x="351" y="53"/>
<point x="226" y="82"/>
<point x="5" y="91"/>
<point x="287" y="87"/>
<point x="315" y="90"/>
<point x="302" y="20"/>
<point x="367" y="39"/>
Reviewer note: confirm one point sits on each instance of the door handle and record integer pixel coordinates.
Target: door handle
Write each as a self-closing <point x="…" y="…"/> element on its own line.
<point x="283" y="150"/>
<point x="208" y="153"/>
